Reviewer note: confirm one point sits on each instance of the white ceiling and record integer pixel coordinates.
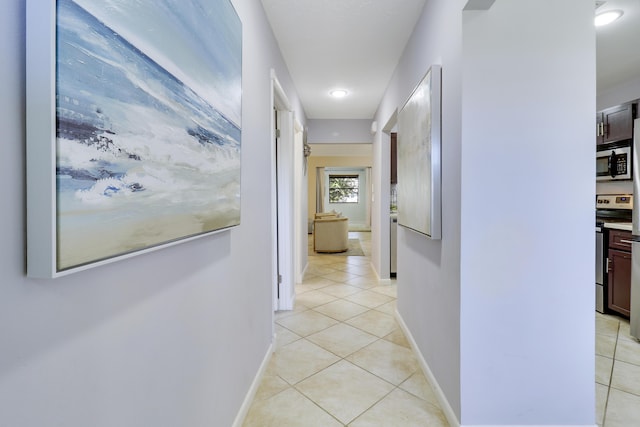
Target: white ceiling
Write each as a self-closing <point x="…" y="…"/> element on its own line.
<point x="356" y="44"/>
<point x="349" y="44"/>
<point x="617" y="45"/>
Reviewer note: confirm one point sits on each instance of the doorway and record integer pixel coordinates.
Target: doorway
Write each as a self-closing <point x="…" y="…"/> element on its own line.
<point x="288" y="252"/>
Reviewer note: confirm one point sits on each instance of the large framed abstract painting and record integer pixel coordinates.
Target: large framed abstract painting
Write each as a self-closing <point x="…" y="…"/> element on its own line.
<point x="419" y="157"/>
<point x="133" y="128"/>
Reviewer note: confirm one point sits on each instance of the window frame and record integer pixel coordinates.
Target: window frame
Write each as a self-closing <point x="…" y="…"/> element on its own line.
<point x="354" y="190"/>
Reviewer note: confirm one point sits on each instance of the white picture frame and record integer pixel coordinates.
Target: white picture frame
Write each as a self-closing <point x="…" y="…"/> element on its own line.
<point x="419" y="158"/>
<point x="133" y="142"/>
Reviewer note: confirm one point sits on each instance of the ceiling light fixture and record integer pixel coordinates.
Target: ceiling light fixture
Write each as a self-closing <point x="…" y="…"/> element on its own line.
<point x="338" y="93"/>
<point x="607" y="17"/>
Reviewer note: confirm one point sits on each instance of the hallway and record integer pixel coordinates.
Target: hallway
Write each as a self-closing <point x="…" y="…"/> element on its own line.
<point x="341" y="358"/>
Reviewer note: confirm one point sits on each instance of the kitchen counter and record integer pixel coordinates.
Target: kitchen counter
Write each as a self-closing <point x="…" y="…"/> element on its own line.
<point x="626" y="226"/>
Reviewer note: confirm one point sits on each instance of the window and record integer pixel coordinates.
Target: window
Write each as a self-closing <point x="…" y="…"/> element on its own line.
<point x="343" y="188"/>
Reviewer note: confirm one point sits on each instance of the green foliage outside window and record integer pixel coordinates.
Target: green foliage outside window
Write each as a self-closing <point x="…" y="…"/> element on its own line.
<point x="343" y="188"/>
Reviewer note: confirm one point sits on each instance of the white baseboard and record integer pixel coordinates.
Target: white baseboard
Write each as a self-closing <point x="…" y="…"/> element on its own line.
<point x="380" y="281"/>
<point x="442" y="399"/>
<point x="529" y="425"/>
<point x="304" y="270"/>
<point x="248" y="400"/>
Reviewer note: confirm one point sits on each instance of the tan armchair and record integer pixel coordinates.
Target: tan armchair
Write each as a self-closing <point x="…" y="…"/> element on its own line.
<point x="330" y="233"/>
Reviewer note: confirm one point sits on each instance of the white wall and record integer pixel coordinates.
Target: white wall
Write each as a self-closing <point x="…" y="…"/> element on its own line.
<point x="339" y="131"/>
<point x="428" y="271"/>
<point x="527" y="297"/>
<point x="498" y="308"/>
<point x="171" y="338"/>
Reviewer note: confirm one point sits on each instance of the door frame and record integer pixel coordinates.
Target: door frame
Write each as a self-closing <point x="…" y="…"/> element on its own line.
<point x="282" y="198"/>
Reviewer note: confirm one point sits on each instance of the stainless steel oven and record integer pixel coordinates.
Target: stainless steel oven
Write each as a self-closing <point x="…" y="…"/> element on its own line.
<point x="613" y="163"/>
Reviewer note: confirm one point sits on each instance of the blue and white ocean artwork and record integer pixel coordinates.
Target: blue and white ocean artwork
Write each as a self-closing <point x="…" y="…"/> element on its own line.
<point x="148" y="109"/>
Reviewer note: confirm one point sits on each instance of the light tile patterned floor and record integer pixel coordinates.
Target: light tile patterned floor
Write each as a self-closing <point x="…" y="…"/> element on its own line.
<point x="617" y="373"/>
<point x="341" y="358"/>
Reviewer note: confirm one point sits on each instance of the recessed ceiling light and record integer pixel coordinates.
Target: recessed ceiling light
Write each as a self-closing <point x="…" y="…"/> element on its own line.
<point x="338" y="93"/>
<point x="607" y="17"/>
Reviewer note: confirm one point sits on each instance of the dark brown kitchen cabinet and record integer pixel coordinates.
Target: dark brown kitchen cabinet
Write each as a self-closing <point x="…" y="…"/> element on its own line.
<point x="394" y="158"/>
<point x="615" y="123"/>
<point x="619" y="274"/>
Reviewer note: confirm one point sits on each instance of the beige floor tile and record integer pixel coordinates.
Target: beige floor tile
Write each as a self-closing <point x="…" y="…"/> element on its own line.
<point x="288" y="409"/>
<point x="606" y="325"/>
<point x="374" y="322"/>
<point x="270" y="386"/>
<point x="319" y="282"/>
<point x="401" y="409"/>
<point x="340" y="263"/>
<point x="307" y="275"/>
<point x="302" y="288"/>
<point x="418" y="385"/>
<point x="372" y="277"/>
<point x="389" y="290"/>
<point x="628" y="351"/>
<point x="314" y="298"/>
<point x="284" y="336"/>
<point x="602" y="392"/>
<point x="360" y="270"/>
<point x="623" y="409"/>
<point x="342" y="339"/>
<point x="389" y="361"/>
<point x="319" y="270"/>
<point x="307" y="323"/>
<point x="358" y="260"/>
<point x="301" y="359"/>
<point x="605" y="345"/>
<point x="344" y="390"/>
<point x="299" y="308"/>
<point x="604" y="366"/>
<point x="369" y="299"/>
<point x="342" y="266"/>
<point x="341" y="309"/>
<point x="388" y="308"/>
<point x="362" y="282"/>
<point x="322" y="260"/>
<point x="626" y="377"/>
<point x="397" y="337"/>
<point x="624" y="330"/>
<point x="340" y="276"/>
<point x="313" y="364"/>
<point x="341" y="291"/>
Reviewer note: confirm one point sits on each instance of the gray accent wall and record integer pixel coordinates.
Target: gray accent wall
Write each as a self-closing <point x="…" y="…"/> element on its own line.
<point x="170" y="338"/>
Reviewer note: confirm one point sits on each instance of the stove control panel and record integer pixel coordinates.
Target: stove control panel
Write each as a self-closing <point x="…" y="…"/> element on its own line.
<point x="614" y="201"/>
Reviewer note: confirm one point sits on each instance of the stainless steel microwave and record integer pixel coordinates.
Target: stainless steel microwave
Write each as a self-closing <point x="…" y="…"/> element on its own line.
<point x="613" y="163"/>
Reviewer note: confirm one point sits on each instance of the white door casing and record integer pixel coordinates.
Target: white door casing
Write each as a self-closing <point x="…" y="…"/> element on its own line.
<point x="282" y="185"/>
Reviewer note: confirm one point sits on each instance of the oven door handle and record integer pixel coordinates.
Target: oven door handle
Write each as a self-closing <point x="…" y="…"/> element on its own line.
<point x="635" y="240"/>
